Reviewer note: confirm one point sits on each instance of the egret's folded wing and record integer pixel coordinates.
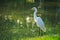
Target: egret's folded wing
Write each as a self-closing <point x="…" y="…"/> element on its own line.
<point x="40" y="23"/>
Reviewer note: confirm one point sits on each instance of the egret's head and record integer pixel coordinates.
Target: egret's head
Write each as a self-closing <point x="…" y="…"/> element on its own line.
<point x="34" y="8"/>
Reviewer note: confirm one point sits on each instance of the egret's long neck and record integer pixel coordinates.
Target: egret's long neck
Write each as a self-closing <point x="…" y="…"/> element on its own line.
<point x="35" y="16"/>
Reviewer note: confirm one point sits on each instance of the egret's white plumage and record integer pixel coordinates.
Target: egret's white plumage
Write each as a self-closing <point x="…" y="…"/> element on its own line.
<point x="39" y="21"/>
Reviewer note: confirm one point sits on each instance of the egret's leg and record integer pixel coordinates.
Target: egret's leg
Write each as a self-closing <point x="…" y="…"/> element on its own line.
<point x="39" y="31"/>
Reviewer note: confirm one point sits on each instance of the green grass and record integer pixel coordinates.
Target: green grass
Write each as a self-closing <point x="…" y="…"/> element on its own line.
<point x="46" y="37"/>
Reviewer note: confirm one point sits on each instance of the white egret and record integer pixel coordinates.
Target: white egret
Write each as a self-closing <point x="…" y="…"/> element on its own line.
<point x="39" y="21"/>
